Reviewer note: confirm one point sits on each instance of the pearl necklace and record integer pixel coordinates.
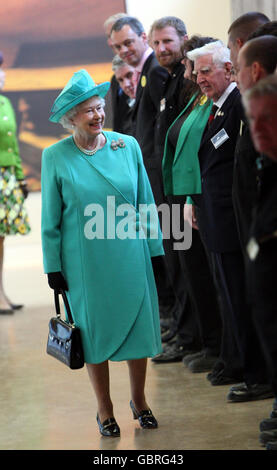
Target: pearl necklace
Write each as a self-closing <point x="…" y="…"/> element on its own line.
<point x="88" y="152"/>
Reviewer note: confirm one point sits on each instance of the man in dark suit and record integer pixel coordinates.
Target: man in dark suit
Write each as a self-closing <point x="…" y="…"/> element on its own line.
<point x="244" y="183"/>
<point x="240" y="30"/>
<point x="123" y="76"/>
<point x="261" y="102"/>
<point x="130" y="43"/>
<point x="253" y="63"/>
<point x="214" y="208"/>
<point x="119" y="100"/>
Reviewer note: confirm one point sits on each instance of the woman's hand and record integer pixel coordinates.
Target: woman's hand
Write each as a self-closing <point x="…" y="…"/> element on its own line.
<point x="57" y="281"/>
<point x="189" y="215"/>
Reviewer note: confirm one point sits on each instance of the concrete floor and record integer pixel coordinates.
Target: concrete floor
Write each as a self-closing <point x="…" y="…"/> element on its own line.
<point x="46" y="406"/>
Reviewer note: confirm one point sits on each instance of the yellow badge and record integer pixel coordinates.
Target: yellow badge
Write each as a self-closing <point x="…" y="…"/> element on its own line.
<point x="203" y="100"/>
<point x="143" y="81"/>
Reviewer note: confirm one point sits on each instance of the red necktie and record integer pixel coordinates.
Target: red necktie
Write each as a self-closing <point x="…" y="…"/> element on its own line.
<point x="212" y="114"/>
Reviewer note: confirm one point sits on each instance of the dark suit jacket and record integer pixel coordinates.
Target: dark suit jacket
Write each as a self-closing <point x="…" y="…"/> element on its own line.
<point x="145" y="110"/>
<point x="122" y="113"/>
<point x="245" y="187"/>
<point x="264" y="215"/>
<point x="217" y="219"/>
<point x="173" y="91"/>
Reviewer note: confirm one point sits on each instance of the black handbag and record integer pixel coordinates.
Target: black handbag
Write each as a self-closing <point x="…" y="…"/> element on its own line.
<point x="64" y="338"/>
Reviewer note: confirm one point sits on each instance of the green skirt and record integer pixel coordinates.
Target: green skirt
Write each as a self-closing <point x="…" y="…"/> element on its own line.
<point x="13" y="215"/>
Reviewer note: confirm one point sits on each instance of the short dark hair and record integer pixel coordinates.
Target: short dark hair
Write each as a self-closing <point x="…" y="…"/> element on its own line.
<point x="173" y="21"/>
<point x="131" y="21"/>
<point x="196" y="41"/>
<point x="269" y="28"/>
<point x="246" y="24"/>
<point x="263" y="50"/>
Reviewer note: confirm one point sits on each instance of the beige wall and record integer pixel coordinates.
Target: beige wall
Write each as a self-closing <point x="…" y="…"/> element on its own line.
<point x="205" y="17"/>
<point x="268" y="7"/>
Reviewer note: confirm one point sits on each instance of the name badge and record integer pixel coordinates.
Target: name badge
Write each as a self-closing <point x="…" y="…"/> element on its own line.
<point x="162" y="105"/>
<point x="220" y="138"/>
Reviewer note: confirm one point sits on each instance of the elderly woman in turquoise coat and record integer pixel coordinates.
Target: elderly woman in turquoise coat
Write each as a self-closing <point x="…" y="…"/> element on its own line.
<point x="99" y="232"/>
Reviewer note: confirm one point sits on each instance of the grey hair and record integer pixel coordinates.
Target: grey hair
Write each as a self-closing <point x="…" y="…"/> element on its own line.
<point x="220" y="53"/>
<point x="117" y="63"/>
<point x="112" y="19"/>
<point x="66" y="119"/>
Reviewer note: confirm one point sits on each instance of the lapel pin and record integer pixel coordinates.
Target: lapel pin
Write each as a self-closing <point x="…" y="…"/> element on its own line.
<point x="115" y="144"/>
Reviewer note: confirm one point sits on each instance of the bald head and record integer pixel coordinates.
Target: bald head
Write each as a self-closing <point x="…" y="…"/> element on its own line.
<point x="262" y="50"/>
<point x="256" y="59"/>
<point x="246" y="24"/>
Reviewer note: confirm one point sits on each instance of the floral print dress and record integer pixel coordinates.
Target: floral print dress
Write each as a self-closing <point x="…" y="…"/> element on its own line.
<point x="13" y="215"/>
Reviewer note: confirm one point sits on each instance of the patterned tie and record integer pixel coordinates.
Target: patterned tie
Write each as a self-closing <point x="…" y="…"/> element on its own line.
<point x="212" y="114"/>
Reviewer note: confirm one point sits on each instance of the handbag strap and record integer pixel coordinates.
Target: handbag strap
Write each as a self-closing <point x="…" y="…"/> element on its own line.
<point x="57" y="304"/>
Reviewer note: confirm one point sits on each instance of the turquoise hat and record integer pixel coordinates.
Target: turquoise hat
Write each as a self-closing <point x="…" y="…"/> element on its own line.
<point x="80" y="88"/>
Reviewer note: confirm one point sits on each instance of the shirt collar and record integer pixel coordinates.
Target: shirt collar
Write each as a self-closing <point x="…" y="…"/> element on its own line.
<point x="219" y="103"/>
<point x="144" y="58"/>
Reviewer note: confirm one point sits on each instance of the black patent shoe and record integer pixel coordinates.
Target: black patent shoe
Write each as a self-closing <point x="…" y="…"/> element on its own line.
<point x="16" y="306"/>
<point x="146" y="418"/>
<point x="109" y="427"/>
<point x="6" y="311"/>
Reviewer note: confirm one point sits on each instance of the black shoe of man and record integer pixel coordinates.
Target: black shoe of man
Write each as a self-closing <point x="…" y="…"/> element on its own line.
<point x="202" y="363"/>
<point x="268" y="436"/>
<point x="225" y="378"/>
<point x="244" y="392"/>
<point x="171" y="354"/>
<point x="271" y="445"/>
<point x="269" y="424"/>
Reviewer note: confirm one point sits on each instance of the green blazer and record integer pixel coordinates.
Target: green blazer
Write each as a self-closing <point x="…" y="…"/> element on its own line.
<point x="181" y="170"/>
<point x="9" y="151"/>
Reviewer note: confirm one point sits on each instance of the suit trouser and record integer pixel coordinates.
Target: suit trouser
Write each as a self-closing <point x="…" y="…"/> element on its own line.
<point x="203" y="294"/>
<point x="244" y="196"/>
<point x="184" y="319"/>
<point x="263" y="293"/>
<point x="169" y="279"/>
<point x="194" y="285"/>
<point x="231" y="269"/>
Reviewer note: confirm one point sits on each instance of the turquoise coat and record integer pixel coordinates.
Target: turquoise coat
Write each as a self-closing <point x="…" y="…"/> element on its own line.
<point x="181" y="170"/>
<point x="112" y="289"/>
